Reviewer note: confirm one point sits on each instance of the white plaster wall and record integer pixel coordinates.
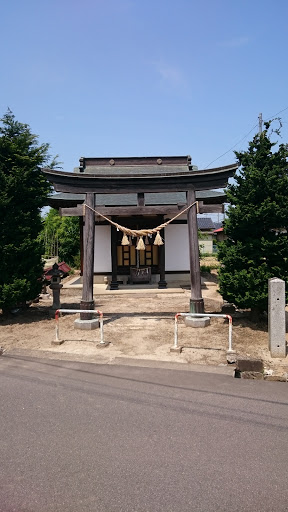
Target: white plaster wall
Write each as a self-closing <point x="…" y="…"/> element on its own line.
<point x="102" y="249"/>
<point x="176" y="247"/>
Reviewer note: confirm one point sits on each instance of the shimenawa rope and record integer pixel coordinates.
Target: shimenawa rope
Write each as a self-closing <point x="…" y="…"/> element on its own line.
<point x="142" y="232"/>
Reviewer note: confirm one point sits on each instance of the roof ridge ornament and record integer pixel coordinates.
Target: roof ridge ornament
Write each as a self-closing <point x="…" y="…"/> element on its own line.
<point x="81" y="164"/>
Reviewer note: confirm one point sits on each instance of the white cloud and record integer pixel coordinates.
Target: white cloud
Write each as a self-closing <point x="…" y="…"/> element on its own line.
<point x="235" y="42"/>
<point x="171" y="75"/>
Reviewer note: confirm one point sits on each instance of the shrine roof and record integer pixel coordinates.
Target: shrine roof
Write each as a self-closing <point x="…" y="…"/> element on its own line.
<point x="131" y="175"/>
<point x="172" y="182"/>
<point x="135" y="166"/>
<point x="207" y="196"/>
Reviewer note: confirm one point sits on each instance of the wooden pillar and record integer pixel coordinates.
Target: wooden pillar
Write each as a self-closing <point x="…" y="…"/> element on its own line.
<point x="81" y="224"/>
<point x="196" y="300"/>
<point x="162" y="283"/>
<point x="114" y="283"/>
<point x="141" y="199"/>
<point x="87" y="301"/>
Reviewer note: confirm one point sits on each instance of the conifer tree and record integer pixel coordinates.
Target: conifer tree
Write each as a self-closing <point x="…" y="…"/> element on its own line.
<point x="257" y="224"/>
<point x="23" y="192"/>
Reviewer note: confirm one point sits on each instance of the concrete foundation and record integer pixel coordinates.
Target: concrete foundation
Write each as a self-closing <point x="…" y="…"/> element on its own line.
<point x="250" y="365"/>
<point x="176" y="350"/>
<point x="87" y="325"/>
<point x="103" y="345"/>
<point x="59" y="342"/>
<point x="231" y="357"/>
<point x="196" y="321"/>
<point x="171" y="279"/>
<point x="276" y="317"/>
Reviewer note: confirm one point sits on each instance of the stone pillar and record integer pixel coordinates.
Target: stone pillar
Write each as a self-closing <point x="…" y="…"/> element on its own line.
<point x="196" y="300"/>
<point x="56" y="287"/>
<point x="276" y="317"/>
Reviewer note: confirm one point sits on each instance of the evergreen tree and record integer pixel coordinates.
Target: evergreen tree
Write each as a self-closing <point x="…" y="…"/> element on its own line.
<point x="257" y="224"/>
<point x="23" y="192"/>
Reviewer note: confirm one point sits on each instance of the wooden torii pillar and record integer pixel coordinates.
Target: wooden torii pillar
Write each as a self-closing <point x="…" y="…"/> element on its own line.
<point x="87" y="301"/>
<point x="196" y="300"/>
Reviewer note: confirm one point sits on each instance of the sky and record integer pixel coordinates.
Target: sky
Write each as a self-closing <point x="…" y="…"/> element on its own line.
<point x="144" y="77"/>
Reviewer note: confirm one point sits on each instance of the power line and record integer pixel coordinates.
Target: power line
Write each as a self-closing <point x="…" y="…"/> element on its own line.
<point x="280" y="112"/>
<point x="232" y="146"/>
<point x="228" y="151"/>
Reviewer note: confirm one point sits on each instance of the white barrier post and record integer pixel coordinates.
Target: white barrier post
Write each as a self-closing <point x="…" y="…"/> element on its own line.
<point x="102" y="342"/>
<point x="230" y="352"/>
<point x="57" y="317"/>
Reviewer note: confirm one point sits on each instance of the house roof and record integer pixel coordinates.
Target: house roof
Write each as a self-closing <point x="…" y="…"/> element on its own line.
<point x="218" y="225"/>
<point x="205" y="223"/>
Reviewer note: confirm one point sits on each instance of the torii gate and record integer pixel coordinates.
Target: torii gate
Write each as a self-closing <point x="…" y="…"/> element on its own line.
<point x="166" y="178"/>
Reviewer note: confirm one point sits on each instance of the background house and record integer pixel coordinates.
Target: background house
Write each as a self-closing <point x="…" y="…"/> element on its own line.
<point x="206" y="227"/>
<point x="219" y="233"/>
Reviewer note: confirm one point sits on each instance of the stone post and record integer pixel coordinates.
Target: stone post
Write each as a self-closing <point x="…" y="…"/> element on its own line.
<point x="276" y="317"/>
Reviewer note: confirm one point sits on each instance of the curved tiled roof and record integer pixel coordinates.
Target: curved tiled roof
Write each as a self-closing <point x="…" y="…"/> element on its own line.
<point x="62" y="199"/>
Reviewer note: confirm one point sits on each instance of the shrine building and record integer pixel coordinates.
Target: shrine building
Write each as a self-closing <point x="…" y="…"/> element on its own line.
<point x="138" y="218"/>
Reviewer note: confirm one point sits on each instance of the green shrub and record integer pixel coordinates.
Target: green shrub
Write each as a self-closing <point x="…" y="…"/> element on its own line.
<point x="205" y="268"/>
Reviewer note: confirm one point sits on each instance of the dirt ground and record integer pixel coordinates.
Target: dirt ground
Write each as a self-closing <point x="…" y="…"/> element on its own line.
<point x="138" y="326"/>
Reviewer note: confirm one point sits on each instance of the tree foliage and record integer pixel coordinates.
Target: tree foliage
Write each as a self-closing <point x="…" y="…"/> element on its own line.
<point x="61" y="237"/>
<point x="23" y="192"/>
<point x="50" y="232"/>
<point x="257" y="224"/>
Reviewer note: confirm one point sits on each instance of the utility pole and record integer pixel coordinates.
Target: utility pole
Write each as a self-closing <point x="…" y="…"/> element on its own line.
<point x="260" y="123"/>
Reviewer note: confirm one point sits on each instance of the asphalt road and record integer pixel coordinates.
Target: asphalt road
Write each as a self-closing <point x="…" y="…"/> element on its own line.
<point x="97" y="438"/>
